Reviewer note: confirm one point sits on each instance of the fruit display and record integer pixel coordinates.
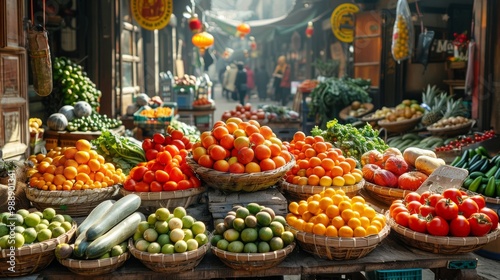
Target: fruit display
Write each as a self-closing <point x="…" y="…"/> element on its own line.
<point x="244" y="112"/>
<point x="166" y="168"/>
<point x="73" y="84"/>
<point x="462" y="141"/>
<point x="166" y="232"/>
<point x="73" y="168"/>
<point x="106" y="229"/>
<point x="381" y="113"/>
<point x="24" y="227"/>
<point x="251" y="229"/>
<point x="318" y="163"/>
<point x="308" y="85"/>
<point x="333" y="214"/>
<point x="402" y="41"/>
<point x="357" y="109"/>
<point x="35" y="126"/>
<point x="450" y="122"/>
<point x="192" y="132"/>
<point x="351" y="140"/>
<point x="279" y="113"/>
<point x="154" y="113"/>
<point x="440" y="105"/>
<point x="451" y="213"/>
<point x="407" y="109"/>
<point x="202" y="102"/>
<point x="186" y="80"/>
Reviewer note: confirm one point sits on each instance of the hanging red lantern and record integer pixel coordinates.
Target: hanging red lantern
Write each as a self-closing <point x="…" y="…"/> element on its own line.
<point x="202" y="40"/>
<point x="194" y="24"/>
<point x="253" y="44"/>
<point x="243" y="29"/>
<point x="309" y="29"/>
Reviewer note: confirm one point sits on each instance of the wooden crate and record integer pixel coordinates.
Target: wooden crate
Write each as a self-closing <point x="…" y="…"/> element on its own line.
<point x="68" y="139"/>
<point x="220" y="203"/>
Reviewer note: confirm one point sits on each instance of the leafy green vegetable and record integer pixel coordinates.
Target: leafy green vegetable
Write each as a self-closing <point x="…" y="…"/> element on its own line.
<point x="353" y="142"/>
<point x="334" y="94"/>
<point x="121" y="151"/>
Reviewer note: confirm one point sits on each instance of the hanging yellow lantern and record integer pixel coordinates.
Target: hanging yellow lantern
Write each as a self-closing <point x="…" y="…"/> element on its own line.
<point x="243" y="29"/>
<point x="202" y="40"/>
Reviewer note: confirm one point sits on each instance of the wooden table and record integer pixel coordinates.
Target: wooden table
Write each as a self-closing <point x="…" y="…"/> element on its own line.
<point x="191" y="116"/>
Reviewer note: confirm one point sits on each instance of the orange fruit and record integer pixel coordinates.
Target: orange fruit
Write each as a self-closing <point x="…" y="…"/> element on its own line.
<point x="82" y="157"/>
<point x="70" y="172"/>
<point x="83" y="145"/>
<point x="313" y="207"/>
<point x="346" y="231"/>
<point x="319" y="229"/>
<point x="70" y="152"/>
<point x="337" y="222"/>
<point x="332" y="211"/>
<point x="359" y="232"/>
<point x="331" y="231"/>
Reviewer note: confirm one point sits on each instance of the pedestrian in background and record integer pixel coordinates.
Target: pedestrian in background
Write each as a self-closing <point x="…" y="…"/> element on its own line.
<point x="241" y="82"/>
<point x="261" y="81"/>
<point x="282" y="82"/>
<point x="250" y="81"/>
<point x="229" y="79"/>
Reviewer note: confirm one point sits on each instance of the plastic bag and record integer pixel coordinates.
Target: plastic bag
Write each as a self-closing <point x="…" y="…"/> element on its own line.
<point x="423" y="47"/>
<point x="403" y="34"/>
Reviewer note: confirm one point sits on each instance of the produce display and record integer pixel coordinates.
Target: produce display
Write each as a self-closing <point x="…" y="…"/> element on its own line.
<point x="407" y="109"/>
<point x="106" y="229"/>
<point x="381" y="113"/>
<point x="407" y="140"/>
<point x="308" y="85"/>
<point x="186" y="80"/>
<point x="451" y="213"/>
<point x="461" y="142"/>
<point x="191" y="131"/>
<point x="244" y="112"/>
<point x="440" y="105"/>
<point x="73" y="168"/>
<point x="154" y="113"/>
<point x="35" y="126"/>
<point x="357" y="109"/>
<point x="318" y="163"/>
<point x="166" y="168"/>
<point x="333" y="214"/>
<point x="168" y="232"/>
<point x="251" y="229"/>
<point x="32" y="227"/>
<point x="351" y="140"/>
<point x="450" y="122"/>
<point x="202" y="102"/>
<point x="238" y="146"/>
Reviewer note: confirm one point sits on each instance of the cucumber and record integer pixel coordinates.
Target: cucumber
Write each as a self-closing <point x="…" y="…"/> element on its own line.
<point x="486" y="165"/>
<point x="80" y="248"/>
<point x="475" y="184"/>
<point x="119" y="233"/>
<point x="474" y="158"/>
<point x="481" y="188"/>
<point x="490" y="188"/>
<point x="456" y="160"/>
<point x="413" y="136"/>
<point x="497" y="174"/>
<point x="491" y="171"/>
<point x="475" y="174"/>
<point x="482" y="151"/>
<point x="467" y="183"/>
<point x="498" y="189"/>
<point x="115" y="214"/>
<point x="98" y="211"/>
<point x="477" y="165"/>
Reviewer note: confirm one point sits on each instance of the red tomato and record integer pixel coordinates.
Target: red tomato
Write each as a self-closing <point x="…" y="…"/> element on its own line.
<point x="161" y="176"/>
<point x="480" y="224"/>
<point x="149" y="177"/>
<point x="397" y="210"/>
<point x="170" y="186"/>
<point x="413" y="206"/>
<point x="438" y="226"/>
<point x="468" y="207"/>
<point x="142" y="187"/>
<point x="434" y="198"/>
<point x="417" y="223"/>
<point x="394" y="205"/>
<point x="447" y="209"/>
<point x="492" y="215"/>
<point x="164" y="157"/>
<point x="159" y="147"/>
<point x="137" y="173"/>
<point x="460" y="226"/>
<point x="424" y="196"/>
<point x="159" y="138"/>
<point x="179" y="144"/>
<point x="452" y="193"/>
<point x="412" y="196"/>
<point x="151" y="154"/>
<point x="479" y="199"/>
<point x="402" y="218"/>
<point x="157" y="166"/>
<point x="147" y="144"/>
<point x="129" y="185"/>
<point x="176" y="174"/>
<point x="184" y="184"/>
<point x="156" y="186"/>
<point x="195" y="181"/>
<point x="426" y="210"/>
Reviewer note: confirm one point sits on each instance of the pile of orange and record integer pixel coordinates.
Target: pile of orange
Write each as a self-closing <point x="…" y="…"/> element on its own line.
<point x="318" y="163"/>
<point x="238" y="146"/>
<point x="333" y="214"/>
<point x="73" y="168"/>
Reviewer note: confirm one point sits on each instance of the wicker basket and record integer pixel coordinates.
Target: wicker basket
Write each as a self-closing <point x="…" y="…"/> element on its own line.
<point x="169" y="263"/>
<point x="232" y="182"/>
<point x="452" y="131"/>
<point x="32" y="258"/>
<point x="399" y="126"/>
<point x="150" y="201"/>
<point x="339" y="248"/>
<point x="95" y="267"/>
<point x="253" y="261"/>
<point x="440" y="244"/>
<point x="385" y="195"/>
<point x="296" y="193"/>
<point x="74" y="203"/>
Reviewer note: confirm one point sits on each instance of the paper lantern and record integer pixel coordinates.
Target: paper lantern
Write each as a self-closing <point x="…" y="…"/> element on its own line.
<point x="195" y="24"/>
<point x="243" y="29"/>
<point x="309" y="29"/>
<point x="202" y="40"/>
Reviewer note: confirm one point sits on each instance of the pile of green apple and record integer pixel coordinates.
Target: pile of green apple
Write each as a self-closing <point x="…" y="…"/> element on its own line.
<point x="252" y="229"/>
<point x="23" y="227"/>
<point x="169" y="233"/>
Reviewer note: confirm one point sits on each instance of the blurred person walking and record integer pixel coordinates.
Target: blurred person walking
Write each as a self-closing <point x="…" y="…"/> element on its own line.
<point x="229" y="78"/>
<point x="241" y="82"/>
<point x="282" y="83"/>
<point x="250" y="81"/>
<point x="261" y="81"/>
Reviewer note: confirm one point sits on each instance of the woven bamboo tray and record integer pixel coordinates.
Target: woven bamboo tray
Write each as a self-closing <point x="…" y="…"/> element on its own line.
<point x="150" y="201"/>
<point x="32" y="258"/>
<point x="452" y="131"/>
<point x="252" y="261"/>
<point x="383" y="194"/>
<point x="297" y="192"/>
<point x="95" y="267"/>
<point x="440" y="244"/>
<point x="399" y="126"/>
<point x="169" y="263"/>
<point x="74" y="203"/>
<point x="247" y="182"/>
<point x="339" y="248"/>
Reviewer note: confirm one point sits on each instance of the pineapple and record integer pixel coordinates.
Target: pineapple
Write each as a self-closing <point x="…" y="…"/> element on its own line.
<point x="436" y="101"/>
<point x="454" y="108"/>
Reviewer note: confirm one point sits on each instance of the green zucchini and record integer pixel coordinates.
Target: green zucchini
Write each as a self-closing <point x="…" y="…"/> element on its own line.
<point x="475" y="184"/>
<point x="98" y="211"/>
<point x="456" y="160"/>
<point x="486" y="165"/>
<point x="481" y="188"/>
<point x="477" y="166"/>
<point x="491" y="171"/>
<point x="115" y="214"/>
<point x="490" y="188"/>
<point x="467" y="183"/>
<point x="482" y="150"/>
<point x="119" y="233"/>
<point x="497" y="174"/>
<point x="475" y="174"/>
<point x="80" y="248"/>
<point x="474" y="159"/>
<point x="498" y="189"/>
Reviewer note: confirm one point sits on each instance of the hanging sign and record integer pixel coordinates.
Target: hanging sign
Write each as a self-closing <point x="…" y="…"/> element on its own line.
<point x="342" y="22"/>
<point x="152" y="14"/>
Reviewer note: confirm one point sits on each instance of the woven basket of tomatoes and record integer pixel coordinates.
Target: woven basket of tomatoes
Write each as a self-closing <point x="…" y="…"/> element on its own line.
<point x="239" y="155"/>
<point x="165" y="180"/>
<point x="447" y="223"/>
<point x="319" y="165"/>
